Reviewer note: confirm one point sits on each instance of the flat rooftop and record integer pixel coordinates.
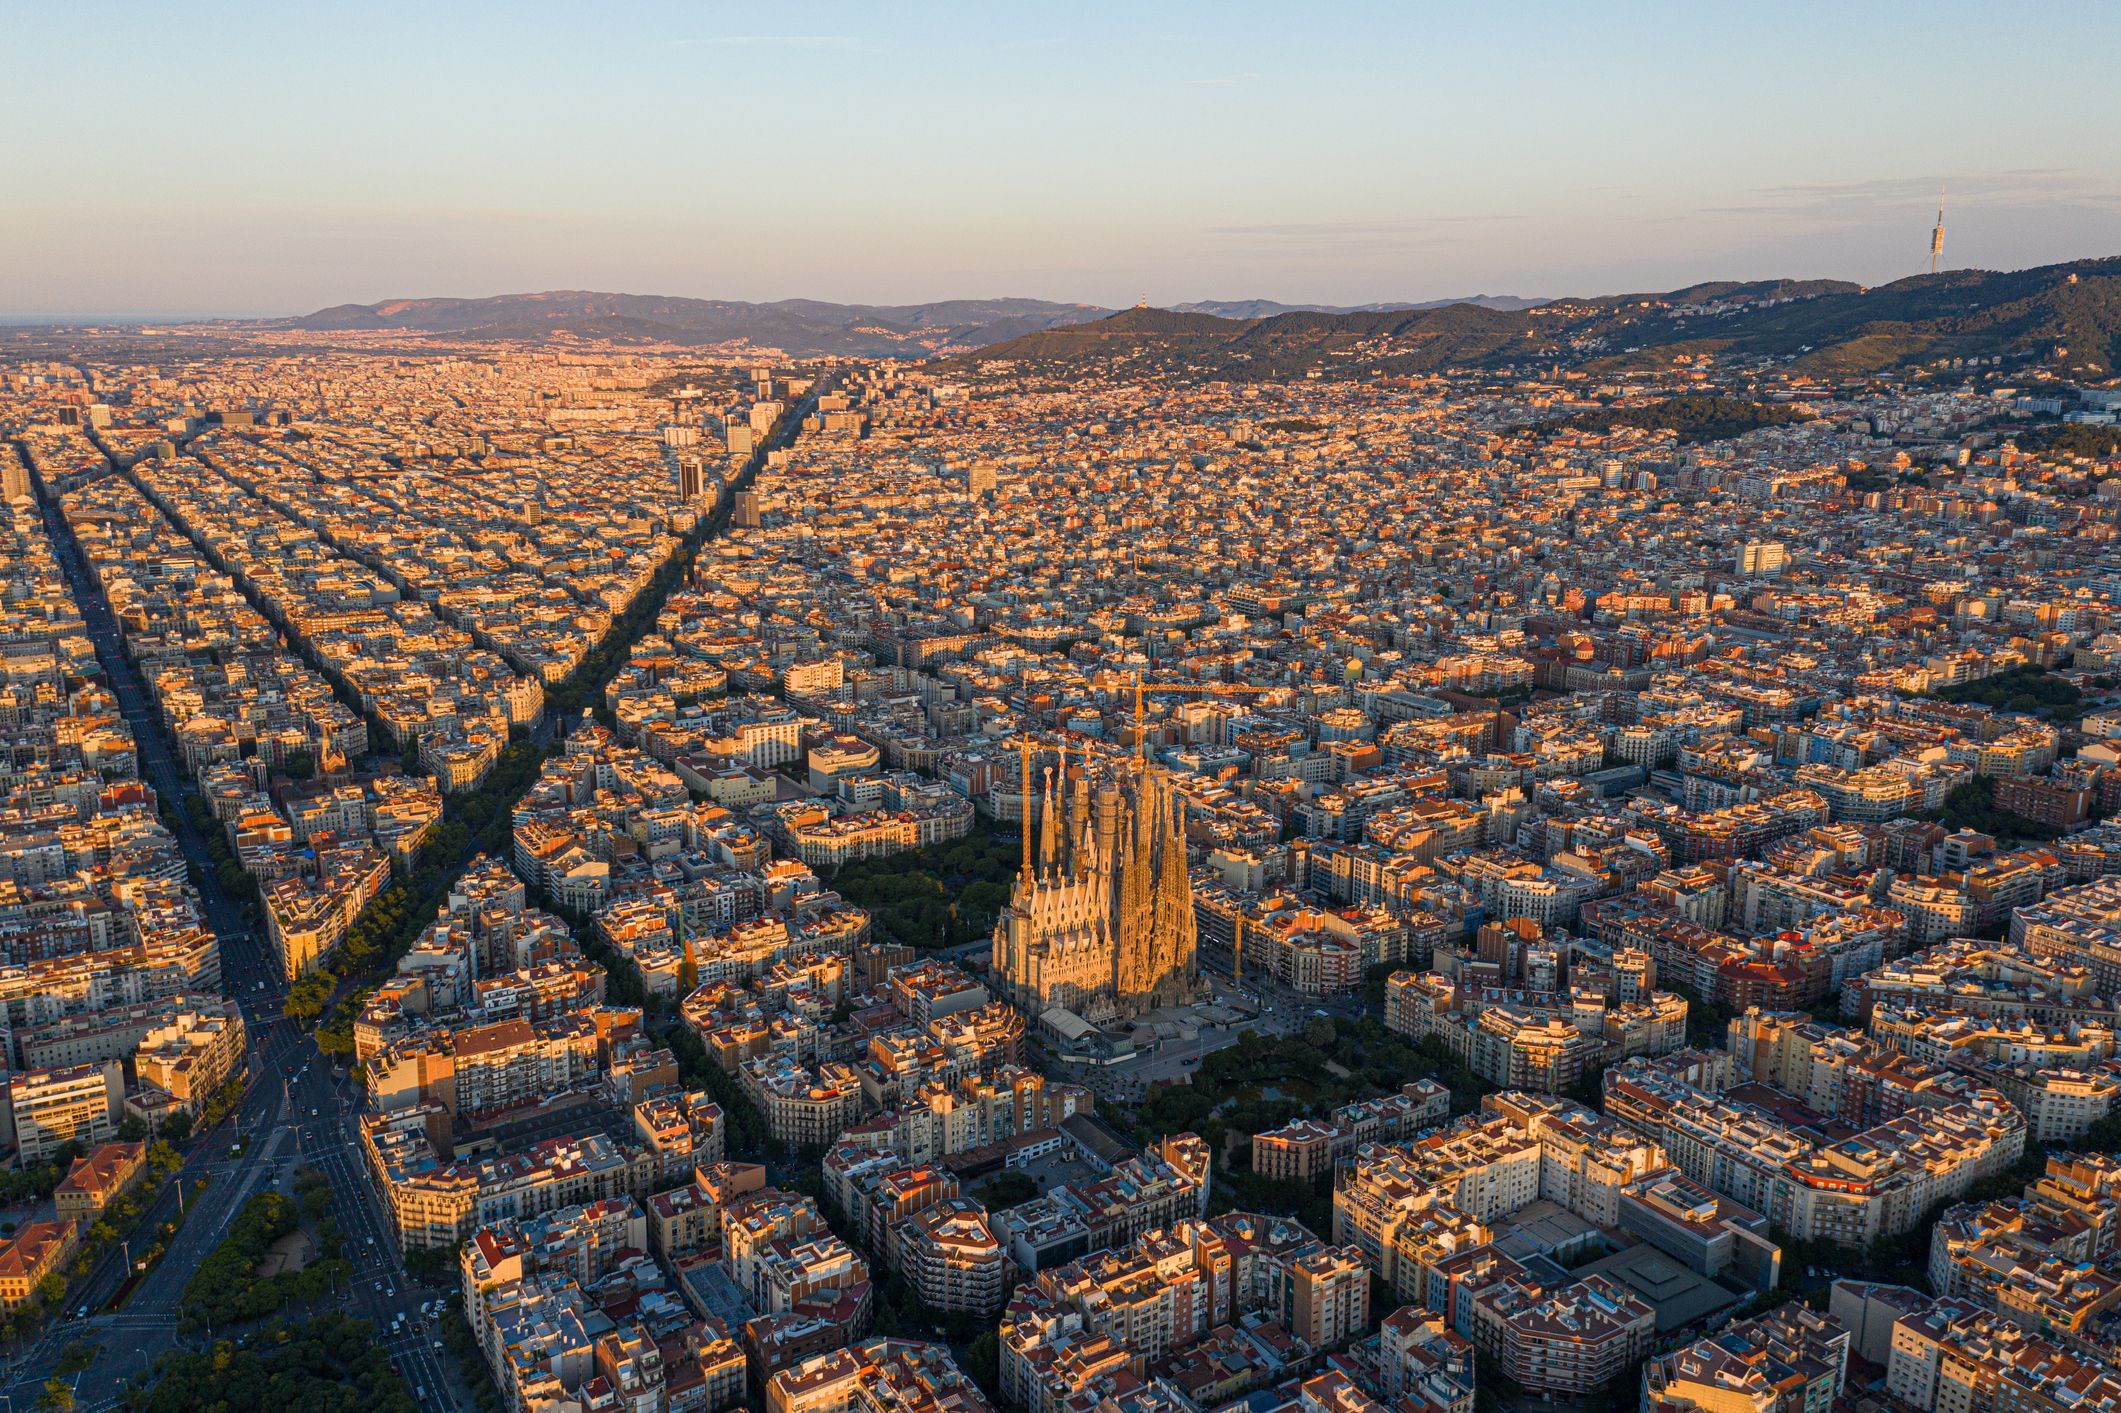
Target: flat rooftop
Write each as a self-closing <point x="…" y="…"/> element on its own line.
<point x="1679" y="1296"/>
<point x="1540" y="1229"/>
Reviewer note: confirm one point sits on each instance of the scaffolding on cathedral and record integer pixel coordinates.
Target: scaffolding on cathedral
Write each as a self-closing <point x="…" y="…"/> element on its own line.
<point x="1101" y="918"/>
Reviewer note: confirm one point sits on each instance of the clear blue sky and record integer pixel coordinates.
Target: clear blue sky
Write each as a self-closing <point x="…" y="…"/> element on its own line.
<point x="273" y="158"/>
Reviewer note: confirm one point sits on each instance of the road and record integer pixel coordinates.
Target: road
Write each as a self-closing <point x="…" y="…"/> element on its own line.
<point x="382" y="1290"/>
<point x="294" y="1111"/>
<point x="290" y="1080"/>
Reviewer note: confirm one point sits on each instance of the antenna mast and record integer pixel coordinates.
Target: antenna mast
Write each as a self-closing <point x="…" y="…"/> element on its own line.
<point x="1937" y="235"/>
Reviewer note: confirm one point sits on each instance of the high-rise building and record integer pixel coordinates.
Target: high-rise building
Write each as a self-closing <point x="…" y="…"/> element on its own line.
<point x="48" y="1109"/>
<point x="1101" y="922"/>
<point x="692" y="479"/>
<point x="747" y="510"/>
<point x="1762" y="557"/>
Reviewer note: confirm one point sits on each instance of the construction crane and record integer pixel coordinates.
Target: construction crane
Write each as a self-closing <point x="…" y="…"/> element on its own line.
<point x="1141" y="688"/>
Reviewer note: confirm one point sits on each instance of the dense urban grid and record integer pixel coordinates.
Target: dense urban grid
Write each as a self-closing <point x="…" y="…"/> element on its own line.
<point x="577" y="877"/>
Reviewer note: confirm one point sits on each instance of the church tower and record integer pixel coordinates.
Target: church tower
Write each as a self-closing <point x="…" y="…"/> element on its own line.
<point x="1102" y="924"/>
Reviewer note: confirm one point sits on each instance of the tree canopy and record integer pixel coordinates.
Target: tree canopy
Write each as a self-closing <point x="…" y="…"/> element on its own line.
<point x="329" y="1364"/>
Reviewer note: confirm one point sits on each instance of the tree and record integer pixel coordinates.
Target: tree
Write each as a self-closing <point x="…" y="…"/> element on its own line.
<point x="52" y="1288"/>
<point x="177" y="1127"/>
<point x="1008" y="1188"/>
<point x="1695" y="419"/>
<point x="133" y="1129"/>
<point x="1319" y="1031"/>
<point x="225" y="1286"/>
<point x="983" y="1363"/>
<point x="309" y="995"/>
<point x="329" y="1364"/>
<point x="58" y="1396"/>
<point x="1972" y="805"/>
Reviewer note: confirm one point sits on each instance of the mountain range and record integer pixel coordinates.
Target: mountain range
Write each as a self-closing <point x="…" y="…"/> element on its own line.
<point x="801" y="327"/>
<point x="2064" y="316"/>
<point x="1268" y="308"/>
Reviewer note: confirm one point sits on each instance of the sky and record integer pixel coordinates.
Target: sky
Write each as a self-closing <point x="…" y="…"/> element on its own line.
<point x="161" y="159"/>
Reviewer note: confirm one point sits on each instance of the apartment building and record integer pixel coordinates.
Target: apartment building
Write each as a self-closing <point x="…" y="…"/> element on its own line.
<point x="802" y="1106"/>
<point x="1954" y="1355"/>
<point x="2078" y="926"/>
<point x="1422" y="1362"/>
<point x="48" y="1109"/>
<point x="1566" y="1341"/>
<point x="1877" y="1183"/>
<point x="949" y="1254"/>
<point x="1082" y="1326"/>
<point x="876" y="1376"/>
<point x="435" y="1204"/>
<point x="1790" y="1360"/>
<point x="193" y="1055"/>
<point x="1306" y="1149"/>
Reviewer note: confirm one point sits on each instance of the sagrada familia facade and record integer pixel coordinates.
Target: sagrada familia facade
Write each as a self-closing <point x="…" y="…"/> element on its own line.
<point x="1101" y="920"/>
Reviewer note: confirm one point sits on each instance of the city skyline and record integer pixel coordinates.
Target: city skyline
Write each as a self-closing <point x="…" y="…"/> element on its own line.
<point x="384" y="152"/>
<point x="1179" y="708"/>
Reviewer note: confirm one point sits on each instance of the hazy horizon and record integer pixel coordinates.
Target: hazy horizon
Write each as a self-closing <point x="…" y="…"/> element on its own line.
<point x="244" y="160"/>
<point x="33" y="318"/>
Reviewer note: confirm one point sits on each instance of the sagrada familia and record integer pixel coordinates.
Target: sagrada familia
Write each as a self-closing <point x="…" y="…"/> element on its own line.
<point x="1101" y="920"/>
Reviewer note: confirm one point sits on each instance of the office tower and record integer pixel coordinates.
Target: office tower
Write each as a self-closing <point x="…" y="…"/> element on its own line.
<point x="692" y="479"/>
<point x="1762" y="557"/>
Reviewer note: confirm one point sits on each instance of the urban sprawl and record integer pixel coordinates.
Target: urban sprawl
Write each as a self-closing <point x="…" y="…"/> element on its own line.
<point x="670" y="882"/>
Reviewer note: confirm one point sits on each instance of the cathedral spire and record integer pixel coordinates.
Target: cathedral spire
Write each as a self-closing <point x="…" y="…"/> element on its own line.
<point x="1049" y="827"/>
<point x="1102" y="923"/>
<point x="1023" y="746"/>
<point x="1175" y="924"/>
